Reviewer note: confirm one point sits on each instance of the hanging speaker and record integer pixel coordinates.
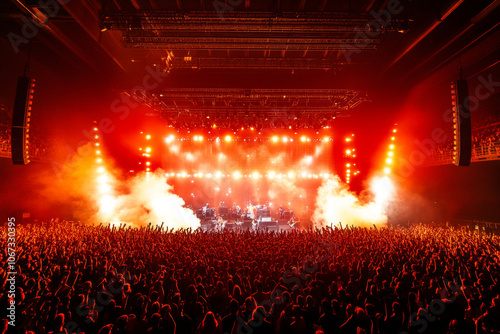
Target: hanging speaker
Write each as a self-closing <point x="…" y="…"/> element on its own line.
<point x="462" y="137"/>
<point x="21" y="119"/>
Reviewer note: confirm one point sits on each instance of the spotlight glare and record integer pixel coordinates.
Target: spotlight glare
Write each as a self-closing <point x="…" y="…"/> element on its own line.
<point x="227" y="138"/>
<point x="148" y="163"/>
<point x="148" y="149"/>
<point x="390" y="154"/>
<point x="391" y="146"/>
<point x="218" y="174"/>
<point x="387" y="170"/>
<point x="275" y="139"/>
<point x="303" y="138"/>
<point x="255" y="175"/>
<point x="285" y="139"/>
<point x="236" y="175"/>
<point x="271" y="175"/>
<point x="388" y="160"/>
<point x="290" y="175"/>
<point x="148" y="137"/>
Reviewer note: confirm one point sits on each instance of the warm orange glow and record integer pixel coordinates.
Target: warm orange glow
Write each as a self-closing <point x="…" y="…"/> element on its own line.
<point x="388" y="160"/>
<point x="394" y="130"/>
<point x="347" y="151"/>
<point x="148" y="163"/>
<point x="148" y="149"/>
<point x="148" y="137"/>
<point x="393" y="138"/>
<point x="303" y="138"/>
<point x="285" y="139"/>
<point x="391" y="146"/>
<point x="227" y="138"/>
<point x="275" y="139"/>
<point x="387" y="170"/>
<point x="390" y="154"/>
<point x="348" y="165"/>
<point x="348" y="139"/>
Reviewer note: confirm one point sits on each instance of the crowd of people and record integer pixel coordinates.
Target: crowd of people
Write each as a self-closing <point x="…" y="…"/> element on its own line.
<point x="74" y="278"/>
<point x="37" y="146"/>
<point x="485" y="140"/>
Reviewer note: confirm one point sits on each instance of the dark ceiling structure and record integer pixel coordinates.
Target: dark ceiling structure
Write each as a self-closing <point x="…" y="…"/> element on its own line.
<point x="360" y="43"/>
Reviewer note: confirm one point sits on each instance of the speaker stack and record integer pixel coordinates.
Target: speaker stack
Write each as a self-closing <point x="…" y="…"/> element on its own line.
<point x="462" y="137"/>
<point x="21" y="120"/>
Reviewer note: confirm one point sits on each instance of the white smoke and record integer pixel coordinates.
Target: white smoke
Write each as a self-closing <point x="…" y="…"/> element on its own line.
<point x="336" y="204"/>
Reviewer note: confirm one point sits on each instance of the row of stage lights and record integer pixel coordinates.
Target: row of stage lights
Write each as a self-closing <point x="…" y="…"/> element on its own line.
<point x="228" y="138"/>
<point x="390" y="153"/>
<point x="350" y="154"/>
<point x="254" y="175"/>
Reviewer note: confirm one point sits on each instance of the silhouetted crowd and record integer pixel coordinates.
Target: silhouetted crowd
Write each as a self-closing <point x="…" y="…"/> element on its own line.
<point x="74" y="278"/>
<point x="37" y="143"/>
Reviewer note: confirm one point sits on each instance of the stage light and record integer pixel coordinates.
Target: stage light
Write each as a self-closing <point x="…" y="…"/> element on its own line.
<point x="348" y="165"/>
<point x="236" y="175"/>
<point x="309" y="175"/>
<point x="96" y="136"/>
<point x="148" y="163"/>
<point x="280" y="176"/>
<point x="200" y="174"/>
<point x="148" y="169"/>
<point x="169" y="139"/>
<point x="348" y="139"/>
<point x="387" y="170"/>
<point x="104" y="188"/>
<point x="227" y="138"/>
<point x="200" y="138"/>
<point x="393" y="138"/>
<point x="148" y="137"/>
<point x="391" y="146"/>
<point x="255" y="175"/>
<point x="208" y="176"/>
<point x="394" y="131"/>
<point x="95" y="129"/>
<point x="148" y="149"/>
<point x="285" y="139"/>
<point x="303" y="174"/>
<point x="326" y="139"/>
<point x="271" y="175"/>
<point x="100" y="169"/>
<point x="218" y="174"/>
<point x="347" y="151"/>
<point x="390" y="153"/>
<point x="183" y="174"/>
<point x="348" y="171"/>
<point x="251" y="128"/>
<point x="290" y="175"/>
<point x="388" y="160"/>
<point x="96" y="144"/>
<point x="99" y="160"/>
<point x="275" y="139"/>
<point x="97" y="152"/>
<point x="303" y="138"/>
<point x="195" y="138"/>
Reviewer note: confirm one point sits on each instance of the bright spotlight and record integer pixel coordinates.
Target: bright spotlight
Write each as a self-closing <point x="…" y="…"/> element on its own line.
<point x="388" y="160"/>
<point x="303" y="174"/>
<point x="169" y="139"/>
<point x="347" y="151"/>
<point x="390" y="154"/>
<point x="275" y="139"/>
<point x="387" y="170"/>
<point x="195" y="138"/>
<point x="255" y="175"/>
<point x="326" y="139"/>
<point x="100" y="169"/>
<point x="271" y="175"/>
<point x="236" y="175"/>
<point x="148" y="137"/>
<point x="394" y="130"/>
<point x="95" y="129"/>
<point x="99" y="160"/>
<point x="348" y="165"/>
<point x="391" y="146"/>
<point x="227" y="138"/>
<point x="348" y="139"/>
<point x="285" y="139"/>
<point x="148" y="163"/>
<point x="290" y="175"/>
<point x="303" y="138"/>
<point x="148" y="149"/>
<point x="218" y="174"/>
<point x="393" y="138"/>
